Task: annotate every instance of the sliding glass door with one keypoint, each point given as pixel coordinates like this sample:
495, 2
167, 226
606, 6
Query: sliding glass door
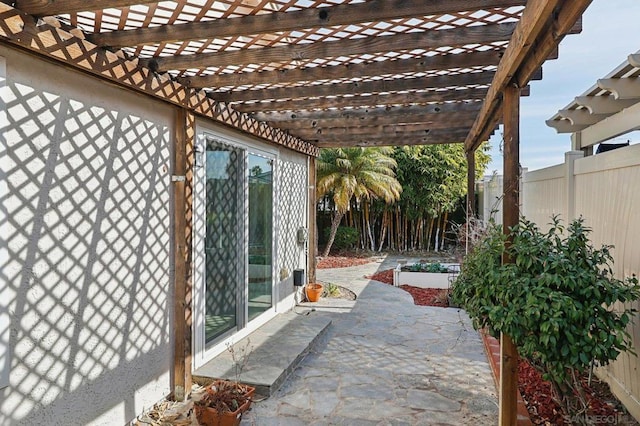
223, 244
260, 235
233, 242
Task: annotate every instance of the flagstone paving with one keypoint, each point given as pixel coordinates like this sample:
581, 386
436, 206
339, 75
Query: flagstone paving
385, 361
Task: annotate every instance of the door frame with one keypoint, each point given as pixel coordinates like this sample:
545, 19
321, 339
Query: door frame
201, 353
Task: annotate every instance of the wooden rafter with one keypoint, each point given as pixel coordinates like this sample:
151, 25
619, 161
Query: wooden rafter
420, 129
347, 14
355, 88
338, 72
543, 24
481, 34
312, 98
435, 137
432, 96
58, 7
447, 119
426, 110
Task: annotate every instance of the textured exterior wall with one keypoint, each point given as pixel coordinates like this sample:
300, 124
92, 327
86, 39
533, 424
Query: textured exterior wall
545, 193
86, 247
292, 212
607, 195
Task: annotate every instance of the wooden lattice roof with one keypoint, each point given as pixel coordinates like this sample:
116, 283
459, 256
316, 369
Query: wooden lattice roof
332, 72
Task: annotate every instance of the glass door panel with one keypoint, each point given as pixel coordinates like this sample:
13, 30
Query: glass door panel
224, 273
260, 235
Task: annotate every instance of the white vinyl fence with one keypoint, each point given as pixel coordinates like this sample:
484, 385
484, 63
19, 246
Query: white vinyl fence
605, 190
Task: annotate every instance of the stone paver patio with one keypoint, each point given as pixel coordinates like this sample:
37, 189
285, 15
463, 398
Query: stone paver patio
385, 361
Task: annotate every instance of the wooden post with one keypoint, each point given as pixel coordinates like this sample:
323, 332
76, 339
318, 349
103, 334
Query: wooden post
183, 139
471, 184
510, 217
312, 243
190, 148
471, 195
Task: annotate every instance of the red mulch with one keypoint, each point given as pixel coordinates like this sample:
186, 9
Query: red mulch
384, 276
427, 296
544, 411
341, 262
421, 296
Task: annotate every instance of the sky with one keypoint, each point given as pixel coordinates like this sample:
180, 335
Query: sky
610, 32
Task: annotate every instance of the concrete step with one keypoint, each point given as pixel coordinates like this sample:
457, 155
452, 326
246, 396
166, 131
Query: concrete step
275, 350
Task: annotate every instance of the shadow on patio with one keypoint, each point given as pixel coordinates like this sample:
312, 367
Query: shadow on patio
387, 361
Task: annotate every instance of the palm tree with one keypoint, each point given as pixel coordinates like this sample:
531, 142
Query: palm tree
363, 173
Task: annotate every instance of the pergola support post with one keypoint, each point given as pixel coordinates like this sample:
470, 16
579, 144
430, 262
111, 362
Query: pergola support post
312, 241
510, 217
182, 182
471, 194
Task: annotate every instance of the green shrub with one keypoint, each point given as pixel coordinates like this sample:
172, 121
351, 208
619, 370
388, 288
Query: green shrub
558, 301
346, 237
436, 268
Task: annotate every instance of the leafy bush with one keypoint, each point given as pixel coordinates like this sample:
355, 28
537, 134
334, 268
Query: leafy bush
346, 237
558, 301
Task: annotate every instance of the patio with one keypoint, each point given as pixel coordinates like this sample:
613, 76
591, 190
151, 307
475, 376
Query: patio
385, 361
133, 96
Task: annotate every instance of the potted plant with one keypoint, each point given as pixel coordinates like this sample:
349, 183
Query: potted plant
313, 291
223, 403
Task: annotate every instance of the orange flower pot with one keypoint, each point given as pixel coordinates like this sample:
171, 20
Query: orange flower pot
313, 292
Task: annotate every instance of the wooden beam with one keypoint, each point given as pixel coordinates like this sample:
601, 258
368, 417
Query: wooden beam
322, 97
371, 11
571, 12
373, 111
180, 255
471, 186
427, 119
481, 34
390, 129
392, 135
348, 71
524, 49
312, 242
355, 88
59, 7
190, 154
20, 29
431, 96
510, 218
431, 139
449, 132
368, 112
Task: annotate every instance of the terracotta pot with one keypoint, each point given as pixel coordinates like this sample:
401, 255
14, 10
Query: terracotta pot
313, 292
208, 416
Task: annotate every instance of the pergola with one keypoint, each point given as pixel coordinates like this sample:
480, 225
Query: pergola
308, 74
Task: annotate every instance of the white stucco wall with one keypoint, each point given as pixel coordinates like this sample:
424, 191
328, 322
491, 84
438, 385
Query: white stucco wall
85, 247
293, 214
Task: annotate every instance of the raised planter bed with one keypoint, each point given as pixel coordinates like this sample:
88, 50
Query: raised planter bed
402, 275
